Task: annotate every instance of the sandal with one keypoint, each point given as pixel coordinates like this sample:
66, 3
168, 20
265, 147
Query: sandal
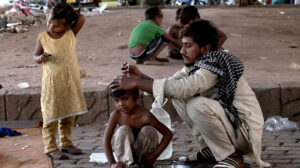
231, 162
57, 155
205, 155
71, 149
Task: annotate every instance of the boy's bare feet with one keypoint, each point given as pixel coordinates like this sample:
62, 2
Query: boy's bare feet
71, 149
161, 59
153, 62
139, 62
57, 155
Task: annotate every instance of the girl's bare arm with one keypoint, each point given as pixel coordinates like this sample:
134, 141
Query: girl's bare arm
79, 24
39, 55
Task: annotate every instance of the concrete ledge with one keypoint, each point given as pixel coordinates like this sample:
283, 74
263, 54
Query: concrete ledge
269, 98
290, 100
2, 105
24, 104
97, 104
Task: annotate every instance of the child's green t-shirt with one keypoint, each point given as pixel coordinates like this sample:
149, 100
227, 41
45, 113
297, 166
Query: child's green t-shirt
144, 33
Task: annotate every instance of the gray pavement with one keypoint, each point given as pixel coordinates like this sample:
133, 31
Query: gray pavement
281, 149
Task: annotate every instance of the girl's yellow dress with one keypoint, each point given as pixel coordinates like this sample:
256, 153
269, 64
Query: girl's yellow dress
62, 94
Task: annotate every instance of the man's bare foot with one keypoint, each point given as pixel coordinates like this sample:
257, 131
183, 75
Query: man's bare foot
57, 155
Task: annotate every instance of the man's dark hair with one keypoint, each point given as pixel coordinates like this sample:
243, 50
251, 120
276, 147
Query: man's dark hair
65, 11
152, 12
188, 13
120, 93
202, 33
178, 11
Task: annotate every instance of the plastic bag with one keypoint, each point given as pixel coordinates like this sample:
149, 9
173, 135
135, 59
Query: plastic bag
100, 157
277, 123
164, 118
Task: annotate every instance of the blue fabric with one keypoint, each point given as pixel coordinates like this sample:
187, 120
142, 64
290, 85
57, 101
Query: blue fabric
8, 132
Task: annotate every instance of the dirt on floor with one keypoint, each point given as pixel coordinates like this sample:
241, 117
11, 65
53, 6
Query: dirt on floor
265, 39
26, 150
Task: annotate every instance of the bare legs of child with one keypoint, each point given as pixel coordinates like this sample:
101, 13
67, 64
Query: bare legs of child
154, 60
148, 56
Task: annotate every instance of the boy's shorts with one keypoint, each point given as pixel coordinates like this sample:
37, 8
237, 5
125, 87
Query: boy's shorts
150, 50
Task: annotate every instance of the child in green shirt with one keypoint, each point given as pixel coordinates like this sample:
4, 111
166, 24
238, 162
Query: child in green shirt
148, 39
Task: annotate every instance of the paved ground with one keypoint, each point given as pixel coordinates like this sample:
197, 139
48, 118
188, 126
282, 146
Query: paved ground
282, 148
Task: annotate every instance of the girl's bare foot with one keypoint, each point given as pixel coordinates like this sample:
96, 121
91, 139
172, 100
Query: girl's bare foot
71, 149
57, 155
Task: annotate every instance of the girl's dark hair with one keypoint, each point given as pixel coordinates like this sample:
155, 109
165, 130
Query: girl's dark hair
152, 12
188, 13
202, 33
65, 11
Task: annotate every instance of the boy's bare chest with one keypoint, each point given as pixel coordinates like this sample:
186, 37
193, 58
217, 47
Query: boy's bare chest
135, 122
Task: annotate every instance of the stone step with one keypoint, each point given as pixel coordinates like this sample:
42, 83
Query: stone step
281, 99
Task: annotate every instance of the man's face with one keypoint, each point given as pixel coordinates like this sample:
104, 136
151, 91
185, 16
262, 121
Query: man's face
190, 51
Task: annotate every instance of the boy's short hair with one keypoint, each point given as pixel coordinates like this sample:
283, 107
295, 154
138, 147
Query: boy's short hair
178, 13
188, 13
152, 12
202, 33
120, 93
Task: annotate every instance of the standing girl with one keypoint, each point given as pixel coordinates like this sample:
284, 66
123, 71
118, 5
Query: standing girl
62, 97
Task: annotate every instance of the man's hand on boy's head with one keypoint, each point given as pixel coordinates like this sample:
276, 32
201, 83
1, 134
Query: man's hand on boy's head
118, 165
122, 83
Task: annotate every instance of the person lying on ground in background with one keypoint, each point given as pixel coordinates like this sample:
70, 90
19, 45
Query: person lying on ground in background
62, 97
211, 96
148, 39
173, 31
190, 14
135, 140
